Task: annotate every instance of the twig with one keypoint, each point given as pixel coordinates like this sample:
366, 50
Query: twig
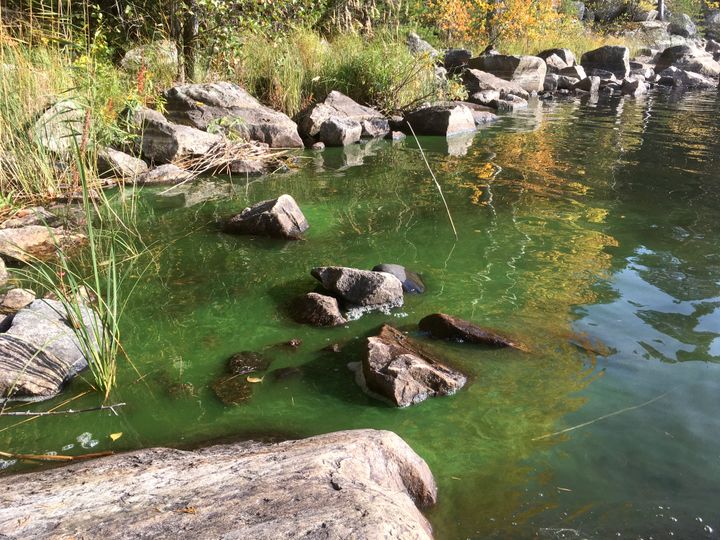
67, 411
50, 457
437, 184
584, 424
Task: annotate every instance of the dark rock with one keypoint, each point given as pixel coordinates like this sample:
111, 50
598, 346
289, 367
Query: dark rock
509, 104
411, 282
246, 362
688, 58
317, 310
339, 106
362, 484
286, 373
588, 84
25, 244
111, 162
398, 369
456, 59
360, 287
279, 218
441, 326
232, 389
673, 76
527, 71
634, 87
336, 131
682, 25
574, 72
164, 174
609, 10
551, 82
611, 58
441, 119
230, 107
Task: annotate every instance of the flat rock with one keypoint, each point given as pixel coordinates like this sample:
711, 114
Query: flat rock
111, 162
227, 104
164, 174
361, 484
339, 106
411, 281
398, 369
31, 242
527, 71
360, 287
441, 326
441, 119
610, 58
278, 218
317, 310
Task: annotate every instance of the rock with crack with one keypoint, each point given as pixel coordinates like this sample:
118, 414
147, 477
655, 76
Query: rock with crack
26, 244
41, 351
340, 107
230, 107
360, 287
317, 310
396, 368
278, 218
362, 484
442, 326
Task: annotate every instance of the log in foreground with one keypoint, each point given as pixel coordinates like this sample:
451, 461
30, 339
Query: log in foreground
350, 484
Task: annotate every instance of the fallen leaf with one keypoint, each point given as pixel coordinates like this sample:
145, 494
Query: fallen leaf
115, 436
255, 379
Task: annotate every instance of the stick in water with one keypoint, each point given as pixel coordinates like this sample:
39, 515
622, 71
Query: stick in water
437, 184
67, 411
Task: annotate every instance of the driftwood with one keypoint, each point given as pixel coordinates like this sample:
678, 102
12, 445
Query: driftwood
67, 411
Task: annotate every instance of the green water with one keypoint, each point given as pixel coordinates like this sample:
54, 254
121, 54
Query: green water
589, 230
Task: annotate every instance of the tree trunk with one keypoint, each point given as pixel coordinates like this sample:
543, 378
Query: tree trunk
190, 33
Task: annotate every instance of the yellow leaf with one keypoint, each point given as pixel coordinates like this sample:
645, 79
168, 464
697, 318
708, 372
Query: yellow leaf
115, 436
254, 379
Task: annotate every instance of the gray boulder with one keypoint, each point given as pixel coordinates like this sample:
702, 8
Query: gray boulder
336, 131
509, 104
59, 128
610, 58
609, 10
338, 105
557, 59
361, 484
111, 162
160, 55
688, 58
682, 25
420, 47
440, 119
360, 287
229, 107
396, 368
527, 71
677, 77
317, 310
411, 281
278, 218
26, 244
40, 351
164, 174
477, 81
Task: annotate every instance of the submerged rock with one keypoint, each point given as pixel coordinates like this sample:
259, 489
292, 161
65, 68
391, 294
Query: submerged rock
279, 218
232, 389
396, 368
610, 58
361, 484
40, 351
228, 106
246, 362
441, 119
411, 281
360, 287
286, 373
441, 326
31, 242
317, 310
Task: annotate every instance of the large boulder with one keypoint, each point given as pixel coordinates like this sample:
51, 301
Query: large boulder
442, 326
688, 58
278, 218
338, 105
337, 131
360, 287
227, 104
557, 59
396, 368
445, 119
477, 81
111, 162
159, 56
527, 71
161, 141
60, 127
612, 58
682, 25
456, 59
353, 484
317, 310
41, 351
31, 242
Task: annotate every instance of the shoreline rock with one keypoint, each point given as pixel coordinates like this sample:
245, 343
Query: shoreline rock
351, 484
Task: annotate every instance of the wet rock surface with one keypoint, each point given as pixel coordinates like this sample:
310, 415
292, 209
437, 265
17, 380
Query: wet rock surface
355, 484
360, 287
246, 362
398, 369
411, 281
278, 218
442, 326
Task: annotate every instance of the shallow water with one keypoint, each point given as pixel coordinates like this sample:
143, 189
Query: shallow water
588, 230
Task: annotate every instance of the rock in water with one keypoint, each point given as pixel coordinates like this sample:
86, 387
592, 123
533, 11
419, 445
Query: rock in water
164, 174
25, 244
689, 59
441, 326
340, 107
340, 131
40, 351
610, 58
246, 362
200, 105
360, 287
318, 310
557, 59
396, 368
441, 119
411, 282
477, 81
362, 484
279, 218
